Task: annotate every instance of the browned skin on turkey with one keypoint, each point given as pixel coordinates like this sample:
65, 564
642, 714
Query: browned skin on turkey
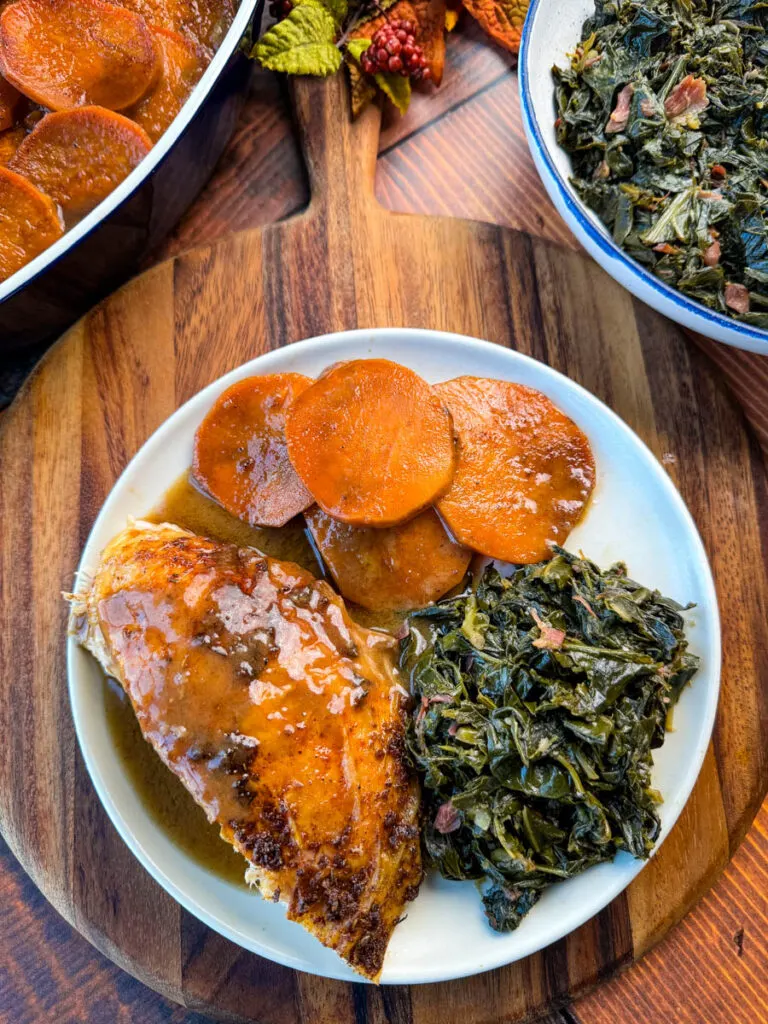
282, 717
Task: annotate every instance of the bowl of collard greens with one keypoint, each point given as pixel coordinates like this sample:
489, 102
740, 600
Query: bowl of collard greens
647, 123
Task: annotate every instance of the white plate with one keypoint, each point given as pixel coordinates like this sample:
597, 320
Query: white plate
552, 29
636, 515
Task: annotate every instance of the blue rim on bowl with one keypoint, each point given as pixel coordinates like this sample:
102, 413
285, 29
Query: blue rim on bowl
594, 237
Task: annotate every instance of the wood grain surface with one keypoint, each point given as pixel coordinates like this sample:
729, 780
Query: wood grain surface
724, 484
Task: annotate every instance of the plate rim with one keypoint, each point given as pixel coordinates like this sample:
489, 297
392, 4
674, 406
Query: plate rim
258, 366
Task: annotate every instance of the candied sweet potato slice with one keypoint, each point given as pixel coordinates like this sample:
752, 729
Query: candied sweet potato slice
183, 62
67, 53
240, 455
396, 568
78, 156
29, 222
372, 442
525, 471
203, 21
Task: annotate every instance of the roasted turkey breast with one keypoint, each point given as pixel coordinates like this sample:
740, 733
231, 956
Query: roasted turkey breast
282, 717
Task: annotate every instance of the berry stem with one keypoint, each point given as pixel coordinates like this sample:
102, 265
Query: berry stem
361, 15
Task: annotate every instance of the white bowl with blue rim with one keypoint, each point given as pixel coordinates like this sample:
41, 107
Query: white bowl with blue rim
552, 30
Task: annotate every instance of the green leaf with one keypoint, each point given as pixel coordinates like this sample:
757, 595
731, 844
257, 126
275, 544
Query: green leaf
357, 47
302, 43
336, 8
396, 88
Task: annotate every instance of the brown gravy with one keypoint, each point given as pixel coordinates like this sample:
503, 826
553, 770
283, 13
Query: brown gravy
160, 791
172, 808
162, 794
185, 505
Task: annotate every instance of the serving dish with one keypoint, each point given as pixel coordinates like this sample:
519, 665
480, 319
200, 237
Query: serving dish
93, 257
636, 514
552, 28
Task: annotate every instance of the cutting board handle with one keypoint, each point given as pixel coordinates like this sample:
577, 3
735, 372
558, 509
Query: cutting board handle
340, 153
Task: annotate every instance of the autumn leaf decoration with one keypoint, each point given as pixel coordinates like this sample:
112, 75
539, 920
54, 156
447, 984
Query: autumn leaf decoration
501, 19
387, 46
304, 43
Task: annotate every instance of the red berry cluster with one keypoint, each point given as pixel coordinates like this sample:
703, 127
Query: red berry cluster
394, 48
280, 8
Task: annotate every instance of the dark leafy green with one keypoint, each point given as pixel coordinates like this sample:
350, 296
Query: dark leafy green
685, 193
538, 701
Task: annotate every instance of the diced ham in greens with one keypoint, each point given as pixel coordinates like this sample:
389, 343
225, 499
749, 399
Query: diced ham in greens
737, 298
686, 99
617, 122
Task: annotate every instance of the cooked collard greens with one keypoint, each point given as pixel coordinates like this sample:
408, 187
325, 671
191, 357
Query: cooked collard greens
664, 111
538, 701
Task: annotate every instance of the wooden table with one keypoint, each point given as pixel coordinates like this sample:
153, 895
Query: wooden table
460, 152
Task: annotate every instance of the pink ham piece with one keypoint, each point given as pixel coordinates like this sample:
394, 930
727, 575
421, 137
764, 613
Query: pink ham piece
666, 249
647, 108
602, 172
737, 298
687, 98
550, 638
711, 255
447, 818
617, 122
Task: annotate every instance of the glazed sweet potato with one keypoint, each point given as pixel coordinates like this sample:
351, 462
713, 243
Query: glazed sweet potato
29, 222
203, 21
392, 569
240, 455
372, 442
66, 53
525, 471
10, 140
183, 62
10, 97
78, 156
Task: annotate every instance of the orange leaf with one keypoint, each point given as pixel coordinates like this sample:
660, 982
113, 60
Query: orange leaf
501, 19
452, 12
429, 18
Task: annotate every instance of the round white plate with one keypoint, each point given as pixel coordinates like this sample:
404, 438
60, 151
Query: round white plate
636, 515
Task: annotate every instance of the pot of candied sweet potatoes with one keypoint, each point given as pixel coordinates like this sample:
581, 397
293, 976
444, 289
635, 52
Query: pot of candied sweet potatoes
113, 114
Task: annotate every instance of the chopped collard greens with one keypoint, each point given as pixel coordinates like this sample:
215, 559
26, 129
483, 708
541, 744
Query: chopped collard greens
664, 111
538, 700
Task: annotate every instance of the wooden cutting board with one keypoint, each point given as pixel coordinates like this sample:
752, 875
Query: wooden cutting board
347, 263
